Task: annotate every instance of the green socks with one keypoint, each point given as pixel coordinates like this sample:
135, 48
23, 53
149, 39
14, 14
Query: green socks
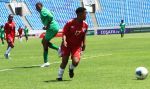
53, 46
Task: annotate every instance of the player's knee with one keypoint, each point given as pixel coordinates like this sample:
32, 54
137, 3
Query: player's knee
75, 64
49, 43
11, 45
75, 61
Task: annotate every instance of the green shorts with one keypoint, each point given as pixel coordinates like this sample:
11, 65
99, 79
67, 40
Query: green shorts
1, 36
50, 33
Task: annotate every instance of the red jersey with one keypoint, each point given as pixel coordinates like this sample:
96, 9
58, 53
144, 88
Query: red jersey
20, 31
75, 32
10, 29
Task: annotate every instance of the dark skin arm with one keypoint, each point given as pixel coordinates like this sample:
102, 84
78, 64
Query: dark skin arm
64, 41
84, 43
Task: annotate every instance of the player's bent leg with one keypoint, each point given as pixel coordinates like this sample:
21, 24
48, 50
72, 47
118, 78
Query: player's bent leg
50, 34
75, 62
53, 46
75, 56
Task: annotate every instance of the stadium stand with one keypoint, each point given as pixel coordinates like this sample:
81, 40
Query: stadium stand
4, 14
134, 12
7, 1
62, 14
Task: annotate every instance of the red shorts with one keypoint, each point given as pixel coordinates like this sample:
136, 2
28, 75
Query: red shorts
74, 51
10, 41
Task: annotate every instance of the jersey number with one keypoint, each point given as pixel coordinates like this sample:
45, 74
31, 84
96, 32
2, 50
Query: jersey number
77, 33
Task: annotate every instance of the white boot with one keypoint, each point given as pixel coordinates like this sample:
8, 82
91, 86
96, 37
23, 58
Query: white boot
47, 64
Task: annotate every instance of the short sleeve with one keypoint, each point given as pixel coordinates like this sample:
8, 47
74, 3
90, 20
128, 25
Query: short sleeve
66, 28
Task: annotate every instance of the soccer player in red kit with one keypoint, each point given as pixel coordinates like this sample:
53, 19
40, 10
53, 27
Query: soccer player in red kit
74, 35
20, 33
10, 34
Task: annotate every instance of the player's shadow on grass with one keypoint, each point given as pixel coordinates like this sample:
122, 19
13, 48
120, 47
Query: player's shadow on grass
48, 81
33, 66
138, 79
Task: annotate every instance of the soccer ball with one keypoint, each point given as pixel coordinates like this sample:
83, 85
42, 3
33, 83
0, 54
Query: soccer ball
141, 73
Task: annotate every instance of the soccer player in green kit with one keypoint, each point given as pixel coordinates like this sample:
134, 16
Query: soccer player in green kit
2, 34
26, 31
122, 28
51, 27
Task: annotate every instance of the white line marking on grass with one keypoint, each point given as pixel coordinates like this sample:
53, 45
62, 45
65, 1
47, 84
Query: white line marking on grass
2, 70
81, 59
84, 58
96, 56
56, 62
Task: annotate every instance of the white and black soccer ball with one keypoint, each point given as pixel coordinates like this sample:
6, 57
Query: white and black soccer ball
141, 73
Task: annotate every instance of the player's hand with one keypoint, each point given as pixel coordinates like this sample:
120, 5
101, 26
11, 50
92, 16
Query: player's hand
45, 28
65, 43
83, 47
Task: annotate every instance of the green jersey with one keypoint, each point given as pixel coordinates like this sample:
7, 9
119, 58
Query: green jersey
47, 17
2, 32
122, 26
26, 30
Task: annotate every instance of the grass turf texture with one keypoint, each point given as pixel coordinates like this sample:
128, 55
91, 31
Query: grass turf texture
109, 62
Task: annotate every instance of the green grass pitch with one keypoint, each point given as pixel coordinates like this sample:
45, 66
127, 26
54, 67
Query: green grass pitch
109, 62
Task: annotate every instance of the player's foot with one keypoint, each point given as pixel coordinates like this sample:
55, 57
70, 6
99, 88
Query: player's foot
59, 79
59, 52
45, 65
71, 73
6, 56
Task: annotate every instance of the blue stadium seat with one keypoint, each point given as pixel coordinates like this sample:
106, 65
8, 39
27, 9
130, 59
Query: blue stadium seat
62, 11
4, 14
134, 12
